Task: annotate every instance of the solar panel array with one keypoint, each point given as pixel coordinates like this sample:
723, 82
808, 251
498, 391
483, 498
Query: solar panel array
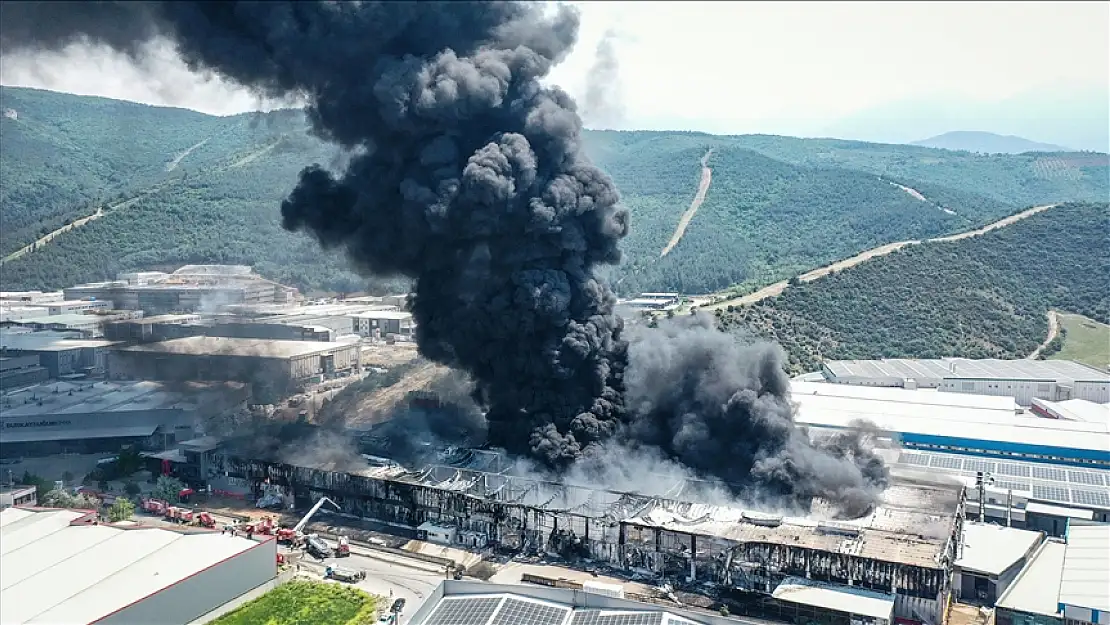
595, 617
517, 612
1082, 487
464, 611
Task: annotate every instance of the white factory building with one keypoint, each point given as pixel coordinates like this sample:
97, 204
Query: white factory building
60, 566
1039, 472
1064, 582
1024, 380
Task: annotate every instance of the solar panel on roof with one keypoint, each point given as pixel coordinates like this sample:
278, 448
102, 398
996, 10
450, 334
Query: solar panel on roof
915, 459
1086, 477
517, 612
971, 464
1051, 493
1095, 498
947, 462
643, 618
464, 611
1012, 484
1051, 474
1009, 468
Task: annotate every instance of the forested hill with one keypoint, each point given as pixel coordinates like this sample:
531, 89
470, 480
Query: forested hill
207, 189
981, 297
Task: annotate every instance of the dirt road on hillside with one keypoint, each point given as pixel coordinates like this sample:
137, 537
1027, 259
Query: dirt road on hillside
778, 287
1053, 330
699, 197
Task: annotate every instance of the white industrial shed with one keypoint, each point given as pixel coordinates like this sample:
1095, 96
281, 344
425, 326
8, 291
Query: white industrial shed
1024, 380
59, 566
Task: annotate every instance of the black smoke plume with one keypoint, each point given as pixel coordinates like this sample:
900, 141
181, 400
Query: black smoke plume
468, 177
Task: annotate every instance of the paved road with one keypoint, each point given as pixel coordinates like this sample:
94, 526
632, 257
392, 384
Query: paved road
384, 578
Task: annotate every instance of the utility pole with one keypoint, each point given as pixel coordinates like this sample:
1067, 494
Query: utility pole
981, 480
1009, 505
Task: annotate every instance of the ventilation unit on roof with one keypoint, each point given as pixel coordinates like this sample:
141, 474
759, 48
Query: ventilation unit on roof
830, 527
765, 520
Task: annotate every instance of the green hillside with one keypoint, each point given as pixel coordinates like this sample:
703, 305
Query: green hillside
776, 206
981, 297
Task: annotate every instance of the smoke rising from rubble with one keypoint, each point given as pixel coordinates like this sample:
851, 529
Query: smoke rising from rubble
468, 176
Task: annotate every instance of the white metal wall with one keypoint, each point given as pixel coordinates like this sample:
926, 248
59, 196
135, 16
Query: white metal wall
200, 594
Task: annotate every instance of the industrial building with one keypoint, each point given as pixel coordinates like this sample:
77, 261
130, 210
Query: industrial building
1038, 473
33, 298
274, 368
1024, 380
989, 559
903, 549
86, 417
339, 318
1072, 410
60, 356
937, 421
16, 495
17, 371
189, 289
381, 324
61, 566
1064, 582
87, 324
457, 602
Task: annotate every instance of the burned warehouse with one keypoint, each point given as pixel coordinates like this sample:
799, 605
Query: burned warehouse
901, 551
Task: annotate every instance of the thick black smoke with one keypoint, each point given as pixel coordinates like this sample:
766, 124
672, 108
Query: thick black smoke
723, 409
468, 177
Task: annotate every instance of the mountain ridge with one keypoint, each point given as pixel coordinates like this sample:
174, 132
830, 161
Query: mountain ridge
777, 206
987, 143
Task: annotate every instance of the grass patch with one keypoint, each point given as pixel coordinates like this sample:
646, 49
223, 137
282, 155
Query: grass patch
306, 603
1087, 341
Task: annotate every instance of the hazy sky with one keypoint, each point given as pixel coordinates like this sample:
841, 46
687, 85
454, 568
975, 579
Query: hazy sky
782, 67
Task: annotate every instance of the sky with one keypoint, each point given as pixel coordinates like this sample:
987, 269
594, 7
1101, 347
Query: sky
795, 68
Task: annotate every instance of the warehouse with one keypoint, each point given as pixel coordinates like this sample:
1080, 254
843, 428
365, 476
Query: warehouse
189, 289
88, 417
60, 566
275, 368
1064, 582
990, 557
1054, 380
381, 324
903, 548
992, 431
60, 356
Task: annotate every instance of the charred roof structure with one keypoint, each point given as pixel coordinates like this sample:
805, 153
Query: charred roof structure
904, 547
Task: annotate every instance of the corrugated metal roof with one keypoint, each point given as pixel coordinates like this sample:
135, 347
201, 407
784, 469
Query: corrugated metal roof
926, 397
1036, 590
938, 369
54, 572
1085, 582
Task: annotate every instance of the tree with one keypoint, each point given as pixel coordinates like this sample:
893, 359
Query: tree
42, 485
129, 460
167, 489
132, 489
63, 499
121, 510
